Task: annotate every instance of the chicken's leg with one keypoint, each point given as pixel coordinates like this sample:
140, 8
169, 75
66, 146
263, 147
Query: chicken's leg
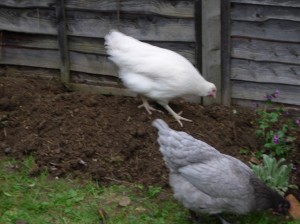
175, 115
223, 221
196, 219
146, 105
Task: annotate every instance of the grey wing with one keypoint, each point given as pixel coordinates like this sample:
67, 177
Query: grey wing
182, 149
219, 178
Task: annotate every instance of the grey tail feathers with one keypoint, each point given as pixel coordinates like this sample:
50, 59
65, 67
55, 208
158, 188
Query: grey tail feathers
160, 125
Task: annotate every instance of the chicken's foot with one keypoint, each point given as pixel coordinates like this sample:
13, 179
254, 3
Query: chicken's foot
175, 115
195, 218
147, 106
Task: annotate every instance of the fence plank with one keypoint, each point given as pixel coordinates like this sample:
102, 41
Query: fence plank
27, 3
178, 9
30, 57
269, 30
294, 111
263, 13
256, 91
259, 50
143, 27
29, 40
96, 46
38, 21
85, 45
211, 48
102, 90
92, 24
95, 79
265, 72
21, 71
91, 63
289, 3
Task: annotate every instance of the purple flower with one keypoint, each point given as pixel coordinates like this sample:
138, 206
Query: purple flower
297, 122
276, 139
276, 94
269, 97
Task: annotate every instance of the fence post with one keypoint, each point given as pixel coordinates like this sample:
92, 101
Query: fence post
198, 33
211, 45
225, 53
63, 41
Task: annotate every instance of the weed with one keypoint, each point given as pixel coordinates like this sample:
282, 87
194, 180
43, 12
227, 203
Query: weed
244, 151
153, 191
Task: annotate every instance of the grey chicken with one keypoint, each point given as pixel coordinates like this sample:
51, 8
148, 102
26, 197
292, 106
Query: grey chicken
207, 181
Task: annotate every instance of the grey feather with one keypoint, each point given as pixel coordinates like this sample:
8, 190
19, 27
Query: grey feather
205, 180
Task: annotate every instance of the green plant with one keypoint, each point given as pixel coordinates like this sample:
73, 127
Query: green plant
278, 141
153, 191
274, 129
266, 119
244, 151
274, 173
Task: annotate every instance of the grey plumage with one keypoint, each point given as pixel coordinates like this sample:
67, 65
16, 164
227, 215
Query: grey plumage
207, 181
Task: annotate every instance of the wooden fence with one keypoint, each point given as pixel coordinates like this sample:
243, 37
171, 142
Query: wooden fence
68, 35
246, 47
265, 50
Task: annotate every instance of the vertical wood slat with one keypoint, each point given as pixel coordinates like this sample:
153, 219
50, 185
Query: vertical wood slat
211, 45
1, 39
63, 41
225, 52
198, 34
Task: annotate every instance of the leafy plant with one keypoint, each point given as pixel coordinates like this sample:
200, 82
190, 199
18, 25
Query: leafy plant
266, 119
273, 129
274, 173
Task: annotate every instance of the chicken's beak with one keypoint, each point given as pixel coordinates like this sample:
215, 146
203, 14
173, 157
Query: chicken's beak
213, 95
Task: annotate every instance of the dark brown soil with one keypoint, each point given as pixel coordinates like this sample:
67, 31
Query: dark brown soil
107, 138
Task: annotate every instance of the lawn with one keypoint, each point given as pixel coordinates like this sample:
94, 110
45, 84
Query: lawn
43, 199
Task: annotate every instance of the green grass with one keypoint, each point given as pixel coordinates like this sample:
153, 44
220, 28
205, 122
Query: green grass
42, 200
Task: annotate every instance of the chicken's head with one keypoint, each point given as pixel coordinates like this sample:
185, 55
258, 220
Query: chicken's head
212, 90
283, 206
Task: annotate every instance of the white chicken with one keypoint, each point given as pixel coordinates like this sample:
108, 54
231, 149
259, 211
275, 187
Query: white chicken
155, 72
207, 181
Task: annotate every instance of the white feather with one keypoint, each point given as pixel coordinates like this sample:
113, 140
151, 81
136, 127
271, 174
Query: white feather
154, 72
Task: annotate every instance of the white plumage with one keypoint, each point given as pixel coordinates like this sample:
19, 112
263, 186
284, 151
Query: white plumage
155, 72
207, 181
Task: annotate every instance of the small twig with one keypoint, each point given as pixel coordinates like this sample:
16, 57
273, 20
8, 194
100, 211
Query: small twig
118, 181
5, 133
